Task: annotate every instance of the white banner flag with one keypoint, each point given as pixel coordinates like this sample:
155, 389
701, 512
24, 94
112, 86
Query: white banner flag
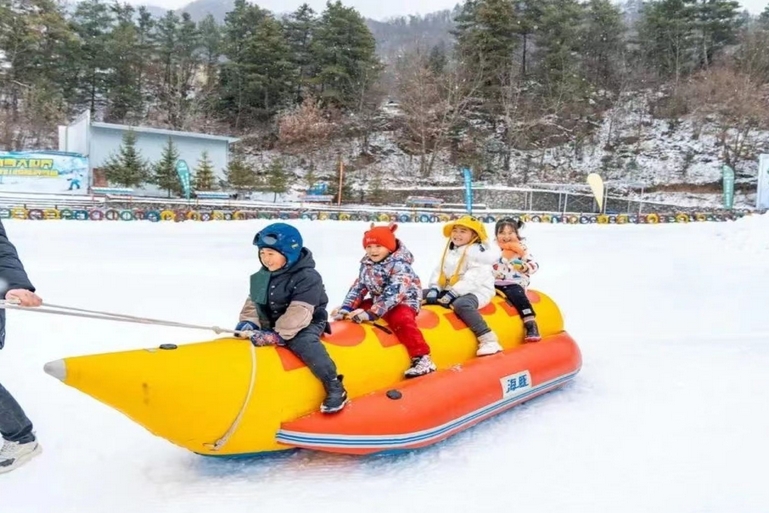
762, 194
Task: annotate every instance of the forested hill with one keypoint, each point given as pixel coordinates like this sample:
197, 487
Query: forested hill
519, 90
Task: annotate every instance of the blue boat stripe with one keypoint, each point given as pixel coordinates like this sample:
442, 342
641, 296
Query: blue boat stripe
363, 441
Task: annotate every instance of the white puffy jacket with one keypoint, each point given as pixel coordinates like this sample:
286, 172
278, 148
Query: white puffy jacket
476, 275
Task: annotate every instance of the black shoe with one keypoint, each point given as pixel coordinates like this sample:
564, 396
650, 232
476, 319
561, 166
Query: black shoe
532, 332
336, 396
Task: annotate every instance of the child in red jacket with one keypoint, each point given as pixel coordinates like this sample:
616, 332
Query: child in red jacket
396, 294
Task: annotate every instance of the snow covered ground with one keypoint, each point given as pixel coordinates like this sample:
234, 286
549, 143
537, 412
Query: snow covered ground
668, 414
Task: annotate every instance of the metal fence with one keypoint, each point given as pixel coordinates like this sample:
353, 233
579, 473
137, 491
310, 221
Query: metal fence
565, 204
541, 200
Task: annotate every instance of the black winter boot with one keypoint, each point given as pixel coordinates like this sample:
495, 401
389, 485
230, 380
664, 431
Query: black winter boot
336, 396
532, 332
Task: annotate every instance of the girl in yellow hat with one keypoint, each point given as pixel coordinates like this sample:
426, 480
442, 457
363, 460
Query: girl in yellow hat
464, 280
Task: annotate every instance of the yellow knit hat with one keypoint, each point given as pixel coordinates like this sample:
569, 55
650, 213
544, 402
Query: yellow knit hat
468, 222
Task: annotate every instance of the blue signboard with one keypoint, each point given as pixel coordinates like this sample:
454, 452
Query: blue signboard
728, 175
468, 189
318, 189
54, 172
183, 170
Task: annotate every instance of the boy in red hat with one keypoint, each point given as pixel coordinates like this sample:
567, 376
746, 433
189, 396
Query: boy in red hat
396, 294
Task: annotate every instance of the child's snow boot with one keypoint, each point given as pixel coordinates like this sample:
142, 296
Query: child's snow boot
488, 344
15, 454
420, 365
336, 396
532, 331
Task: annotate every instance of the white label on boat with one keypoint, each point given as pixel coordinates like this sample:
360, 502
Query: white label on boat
515, 384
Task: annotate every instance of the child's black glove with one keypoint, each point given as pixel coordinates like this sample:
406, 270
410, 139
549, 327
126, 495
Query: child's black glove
447, 298
431, 298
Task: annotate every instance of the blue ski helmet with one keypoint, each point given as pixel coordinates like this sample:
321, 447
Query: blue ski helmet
283, 238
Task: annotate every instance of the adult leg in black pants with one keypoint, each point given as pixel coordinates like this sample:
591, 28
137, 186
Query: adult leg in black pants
516, 295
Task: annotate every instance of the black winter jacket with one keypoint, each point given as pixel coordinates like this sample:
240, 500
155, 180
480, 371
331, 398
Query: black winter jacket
300, 282
12, 275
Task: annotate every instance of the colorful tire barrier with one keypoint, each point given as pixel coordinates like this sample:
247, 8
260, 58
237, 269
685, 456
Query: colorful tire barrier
126, 213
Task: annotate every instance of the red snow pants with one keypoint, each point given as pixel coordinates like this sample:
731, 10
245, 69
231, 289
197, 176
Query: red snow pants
403, 322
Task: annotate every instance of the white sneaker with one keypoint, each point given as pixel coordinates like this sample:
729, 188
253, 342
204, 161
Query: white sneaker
488, 344
13, 454
420, 366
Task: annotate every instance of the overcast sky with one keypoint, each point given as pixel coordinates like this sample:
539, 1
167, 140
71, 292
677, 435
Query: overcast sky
377, 9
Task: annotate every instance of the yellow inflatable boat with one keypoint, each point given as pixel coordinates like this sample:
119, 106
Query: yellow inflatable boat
226, 397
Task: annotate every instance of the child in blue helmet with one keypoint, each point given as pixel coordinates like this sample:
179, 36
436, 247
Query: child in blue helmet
287, 306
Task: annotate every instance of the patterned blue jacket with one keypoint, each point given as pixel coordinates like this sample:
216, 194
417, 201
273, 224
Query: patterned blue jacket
389, 282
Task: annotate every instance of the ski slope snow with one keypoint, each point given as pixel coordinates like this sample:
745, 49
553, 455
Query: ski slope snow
667, 415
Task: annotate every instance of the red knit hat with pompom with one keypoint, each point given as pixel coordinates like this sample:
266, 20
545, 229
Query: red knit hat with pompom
381, 235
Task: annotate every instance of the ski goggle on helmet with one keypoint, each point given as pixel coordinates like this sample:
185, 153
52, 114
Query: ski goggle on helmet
266, 239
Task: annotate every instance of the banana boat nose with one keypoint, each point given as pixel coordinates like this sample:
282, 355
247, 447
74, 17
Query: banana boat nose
57, 369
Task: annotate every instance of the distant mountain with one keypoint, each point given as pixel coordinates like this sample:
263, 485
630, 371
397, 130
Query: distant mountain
199, 9
155, 11
397, 35
393, 35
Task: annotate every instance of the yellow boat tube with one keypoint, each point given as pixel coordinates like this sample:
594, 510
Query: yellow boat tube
225, 397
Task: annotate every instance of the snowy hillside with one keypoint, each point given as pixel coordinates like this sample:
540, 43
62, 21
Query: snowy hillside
664, 160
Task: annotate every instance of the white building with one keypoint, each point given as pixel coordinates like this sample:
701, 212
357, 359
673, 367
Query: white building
98, 141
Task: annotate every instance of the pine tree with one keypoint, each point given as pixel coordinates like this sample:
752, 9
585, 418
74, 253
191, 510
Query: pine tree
344, 54
235, 95
717, 22
486, 41
437, 60
205, 178
92, 21
124, 98
300, 27
278, 180
211, 46
127, 168
33, 36
763, 18
602, 42
164, 171
272, 75
558, 43
667, 34
240, 176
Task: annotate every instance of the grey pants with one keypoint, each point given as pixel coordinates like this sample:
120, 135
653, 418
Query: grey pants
307, 347
14, 424
466, 308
